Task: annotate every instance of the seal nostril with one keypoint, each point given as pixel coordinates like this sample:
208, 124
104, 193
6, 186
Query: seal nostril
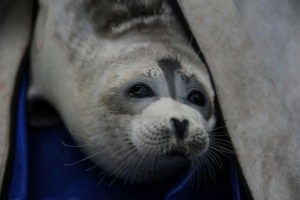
180, 128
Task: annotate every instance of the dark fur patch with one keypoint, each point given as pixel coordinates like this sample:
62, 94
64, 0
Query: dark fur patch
107, 14
169, 66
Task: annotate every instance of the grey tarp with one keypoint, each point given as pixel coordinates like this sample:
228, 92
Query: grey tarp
253, 51
15, 25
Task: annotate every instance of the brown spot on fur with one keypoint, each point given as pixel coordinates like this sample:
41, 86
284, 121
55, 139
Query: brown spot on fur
107, 101
105, 15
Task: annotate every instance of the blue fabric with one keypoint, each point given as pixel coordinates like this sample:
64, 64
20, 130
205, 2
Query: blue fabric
235, 186
19, 183
39, 171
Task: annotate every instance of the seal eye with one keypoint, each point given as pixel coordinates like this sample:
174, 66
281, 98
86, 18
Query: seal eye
140, 91
197, 98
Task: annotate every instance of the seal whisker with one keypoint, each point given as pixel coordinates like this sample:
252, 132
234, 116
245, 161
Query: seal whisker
221, 149
222, 144
104, 173
215, 158
75, 146
84, 159
207, 166
217, 128
91, 168
202, 172
211, 169
220, 134
140, 159
126, 165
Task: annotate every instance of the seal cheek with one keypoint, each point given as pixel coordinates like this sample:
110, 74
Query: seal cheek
151, 136
114, 102
198, 143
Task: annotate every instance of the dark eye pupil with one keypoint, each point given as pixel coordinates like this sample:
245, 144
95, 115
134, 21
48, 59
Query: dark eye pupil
197, 98
139, 91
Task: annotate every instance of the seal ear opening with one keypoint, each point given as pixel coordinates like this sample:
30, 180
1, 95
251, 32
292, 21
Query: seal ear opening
41, 113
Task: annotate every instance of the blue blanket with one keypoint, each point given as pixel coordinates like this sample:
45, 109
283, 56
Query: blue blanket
39, 171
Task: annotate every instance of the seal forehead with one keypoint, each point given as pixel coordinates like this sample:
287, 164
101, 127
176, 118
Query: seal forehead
169, 66
187, 70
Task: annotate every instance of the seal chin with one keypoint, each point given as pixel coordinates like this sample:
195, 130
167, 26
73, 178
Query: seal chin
176, 155
168, 167
174, 158
173, 162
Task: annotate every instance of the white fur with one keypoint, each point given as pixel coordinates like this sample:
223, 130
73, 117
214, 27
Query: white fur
157, 116
75, 69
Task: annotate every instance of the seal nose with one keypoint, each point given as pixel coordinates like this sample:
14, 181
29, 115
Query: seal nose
180, 127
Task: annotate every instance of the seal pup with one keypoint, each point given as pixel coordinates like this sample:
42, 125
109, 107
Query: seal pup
128, 86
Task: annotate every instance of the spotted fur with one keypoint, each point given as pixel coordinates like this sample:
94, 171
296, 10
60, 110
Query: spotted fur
86, 56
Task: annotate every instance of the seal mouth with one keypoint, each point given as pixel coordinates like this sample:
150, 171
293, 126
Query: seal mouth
178, 154
174, 159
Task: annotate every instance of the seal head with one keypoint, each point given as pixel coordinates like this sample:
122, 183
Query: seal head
132, 92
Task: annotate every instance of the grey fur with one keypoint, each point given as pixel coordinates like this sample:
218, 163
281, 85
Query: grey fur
84, 62
169, 67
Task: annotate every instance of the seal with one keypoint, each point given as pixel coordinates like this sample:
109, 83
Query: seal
127, 84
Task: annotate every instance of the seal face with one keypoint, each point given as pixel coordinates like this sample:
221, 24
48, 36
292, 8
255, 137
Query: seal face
132, 92
165, 117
